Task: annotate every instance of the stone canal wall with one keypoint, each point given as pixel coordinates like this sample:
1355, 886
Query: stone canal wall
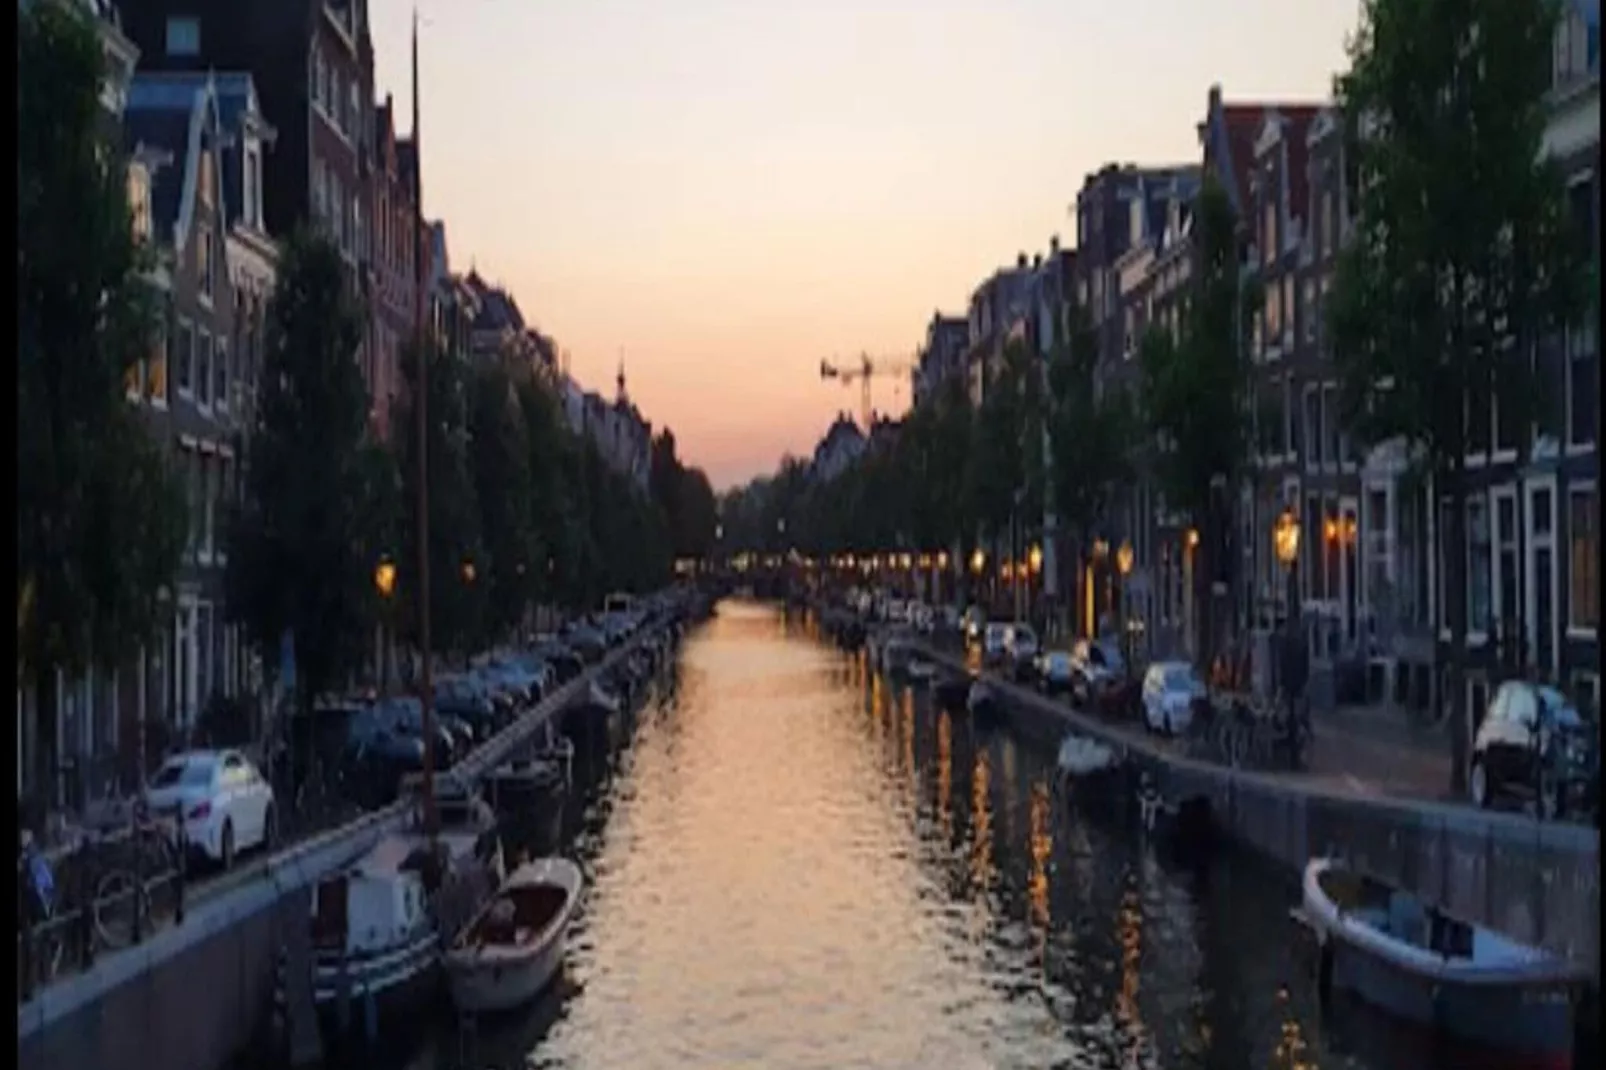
1535, 881
194, 996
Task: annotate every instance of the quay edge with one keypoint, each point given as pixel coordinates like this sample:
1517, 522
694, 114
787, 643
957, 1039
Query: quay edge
1537, 882
195, 996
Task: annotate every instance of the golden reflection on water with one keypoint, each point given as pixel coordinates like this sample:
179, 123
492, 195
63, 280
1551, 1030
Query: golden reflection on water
1129, 930
1293, 1051
945, 775
1041, 845
908, 729
981, 822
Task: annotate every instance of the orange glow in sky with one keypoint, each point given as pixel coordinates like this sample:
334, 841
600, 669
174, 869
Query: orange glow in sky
727, 191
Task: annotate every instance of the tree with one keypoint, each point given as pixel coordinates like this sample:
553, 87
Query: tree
1459, 264
499, 459
1005, 470
100, 516
1196, 394
1091, 433
683, 496
312, 523
557, 528
457, 557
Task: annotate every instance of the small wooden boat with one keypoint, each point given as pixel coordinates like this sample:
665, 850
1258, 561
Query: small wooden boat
1415, 963
512, 949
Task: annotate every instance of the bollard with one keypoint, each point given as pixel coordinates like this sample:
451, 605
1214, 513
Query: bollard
182, 848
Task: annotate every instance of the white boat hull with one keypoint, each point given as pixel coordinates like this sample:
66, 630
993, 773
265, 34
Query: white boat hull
487, 978
484, 987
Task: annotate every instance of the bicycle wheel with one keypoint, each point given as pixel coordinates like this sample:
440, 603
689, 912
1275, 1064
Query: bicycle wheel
121, 908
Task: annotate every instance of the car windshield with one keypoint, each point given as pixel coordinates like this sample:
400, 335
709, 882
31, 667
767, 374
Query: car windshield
1180, 678
192, 773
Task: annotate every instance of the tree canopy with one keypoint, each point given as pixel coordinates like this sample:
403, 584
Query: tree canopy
1460, 270
101, 517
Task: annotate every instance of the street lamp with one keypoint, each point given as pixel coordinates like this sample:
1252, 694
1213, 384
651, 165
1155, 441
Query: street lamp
1034, 559
1285, 543
468, 571
385, 584
978, 561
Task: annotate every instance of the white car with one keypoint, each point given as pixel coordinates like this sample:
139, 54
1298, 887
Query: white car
1054, 671
226, 805
1171, 689
1020, 646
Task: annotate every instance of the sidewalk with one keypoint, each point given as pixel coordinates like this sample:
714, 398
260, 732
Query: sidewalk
1375, 751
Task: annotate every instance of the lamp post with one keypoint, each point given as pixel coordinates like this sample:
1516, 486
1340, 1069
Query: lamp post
1034, 569
1285, 543
1123, 568
385, 584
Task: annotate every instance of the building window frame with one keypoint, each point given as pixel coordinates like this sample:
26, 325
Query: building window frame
1586, 554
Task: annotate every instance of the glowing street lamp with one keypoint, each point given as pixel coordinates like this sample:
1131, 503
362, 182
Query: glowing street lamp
978, 561
468, 571
1034, 559
385, 577
1285, 544
1123, 559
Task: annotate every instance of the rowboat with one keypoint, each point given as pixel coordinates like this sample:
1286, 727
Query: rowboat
512, 949
1471, 983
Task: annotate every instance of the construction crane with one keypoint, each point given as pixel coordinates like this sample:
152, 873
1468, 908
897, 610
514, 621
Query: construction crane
862, 370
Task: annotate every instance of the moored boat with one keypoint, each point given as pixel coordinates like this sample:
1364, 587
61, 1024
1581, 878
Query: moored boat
509, 953
1472, 984
378, 926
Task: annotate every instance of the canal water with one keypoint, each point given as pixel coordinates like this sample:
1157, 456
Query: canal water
792, 866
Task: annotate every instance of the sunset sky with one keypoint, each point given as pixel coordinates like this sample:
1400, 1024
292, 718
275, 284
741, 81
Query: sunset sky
727, 191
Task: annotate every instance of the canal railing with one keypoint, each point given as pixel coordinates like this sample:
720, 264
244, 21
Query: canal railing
1535, 881
215, 906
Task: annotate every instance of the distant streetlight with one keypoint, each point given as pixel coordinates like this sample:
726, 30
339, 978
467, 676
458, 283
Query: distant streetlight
468, 571
1123, 559
978, 561
1285, 544
1034, 559
385, 577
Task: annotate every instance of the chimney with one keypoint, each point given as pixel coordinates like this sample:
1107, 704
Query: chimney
1037, 261
1054, 245
1020, 261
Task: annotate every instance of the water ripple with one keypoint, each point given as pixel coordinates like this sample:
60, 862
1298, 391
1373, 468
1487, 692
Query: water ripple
791, 870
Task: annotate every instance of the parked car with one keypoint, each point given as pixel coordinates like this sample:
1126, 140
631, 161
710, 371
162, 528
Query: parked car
566, 664
1052, 670
405, 717
225, 804
974, 623
994, 646
1172, 694
466, 697
1534, 745
1020, 648
587, 642
1097, 671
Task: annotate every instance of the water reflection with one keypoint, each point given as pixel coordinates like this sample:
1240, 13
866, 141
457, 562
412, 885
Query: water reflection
798, 865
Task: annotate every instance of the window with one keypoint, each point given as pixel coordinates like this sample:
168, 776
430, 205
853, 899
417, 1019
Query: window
1291, 443
354, 110
1582, 385
248, 201
1287, 310
1273, 310
183, 35
207, 266
203, 367
1332, 440
184, 373
1583, 580
139, 202
1324, 233
220, 374
209, 489
1507, 608
1311, 311
1313, 427
1479, 565
1268, 232
192, 466
1478, 420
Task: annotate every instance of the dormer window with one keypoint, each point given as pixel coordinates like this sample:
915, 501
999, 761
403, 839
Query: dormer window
251, 176
183, 35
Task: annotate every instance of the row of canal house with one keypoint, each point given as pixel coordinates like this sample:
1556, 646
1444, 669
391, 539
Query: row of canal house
240, 122
1369, 576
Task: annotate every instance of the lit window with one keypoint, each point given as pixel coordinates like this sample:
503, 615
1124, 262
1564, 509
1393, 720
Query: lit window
1583, 534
